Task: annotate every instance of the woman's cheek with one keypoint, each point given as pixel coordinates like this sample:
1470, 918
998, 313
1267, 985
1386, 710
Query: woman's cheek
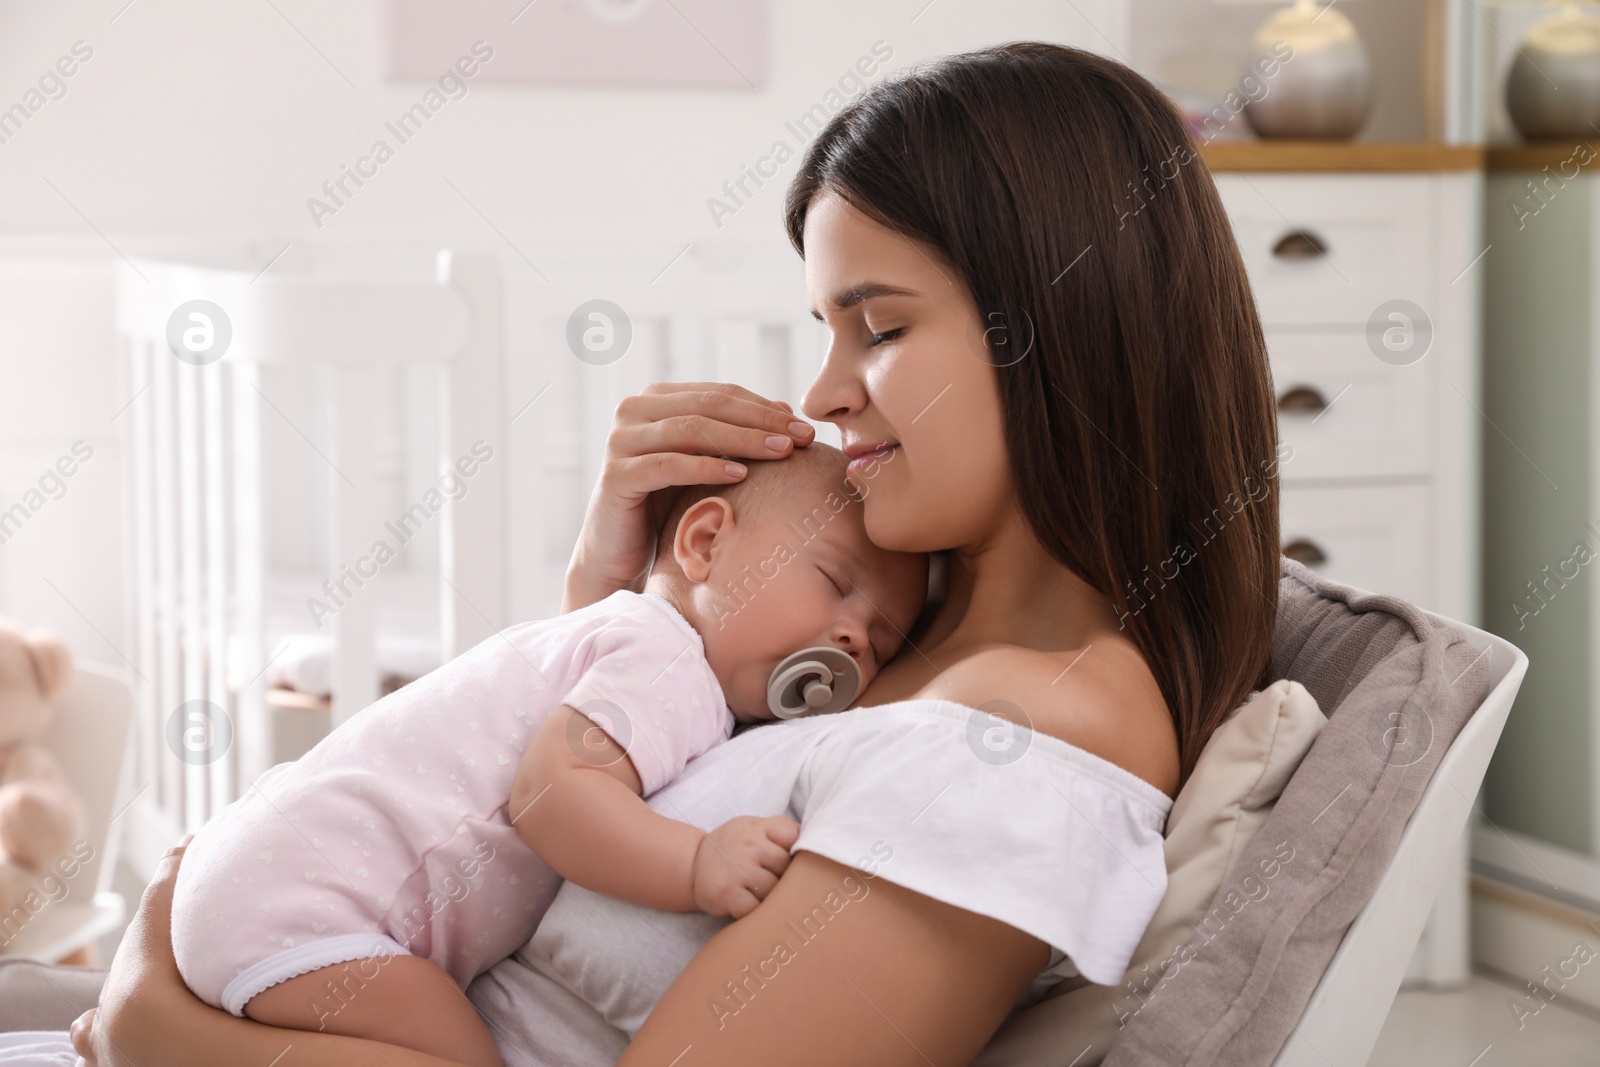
961, 476
909, 505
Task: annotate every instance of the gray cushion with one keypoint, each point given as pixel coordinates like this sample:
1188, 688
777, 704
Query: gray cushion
37, 996
1397, 688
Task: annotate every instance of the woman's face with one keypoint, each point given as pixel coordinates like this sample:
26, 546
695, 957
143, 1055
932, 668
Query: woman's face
906, 366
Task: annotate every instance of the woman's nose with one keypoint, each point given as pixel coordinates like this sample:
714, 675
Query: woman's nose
834, 393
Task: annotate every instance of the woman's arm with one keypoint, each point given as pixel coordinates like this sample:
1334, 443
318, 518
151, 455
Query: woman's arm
148, 1016
835, 967
671, 434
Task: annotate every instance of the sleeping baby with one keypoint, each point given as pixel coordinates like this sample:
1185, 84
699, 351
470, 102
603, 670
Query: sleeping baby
359, 889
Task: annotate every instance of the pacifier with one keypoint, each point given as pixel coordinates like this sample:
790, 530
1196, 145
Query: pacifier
813, 681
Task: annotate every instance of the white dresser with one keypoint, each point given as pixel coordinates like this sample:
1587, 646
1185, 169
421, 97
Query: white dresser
1356, 250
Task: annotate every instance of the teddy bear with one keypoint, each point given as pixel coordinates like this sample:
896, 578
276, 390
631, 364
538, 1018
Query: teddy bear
40, 814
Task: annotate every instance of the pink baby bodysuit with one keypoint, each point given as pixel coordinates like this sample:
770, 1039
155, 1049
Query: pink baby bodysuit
392, 835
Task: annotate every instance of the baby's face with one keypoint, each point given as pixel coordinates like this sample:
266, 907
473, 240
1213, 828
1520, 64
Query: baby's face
795, 581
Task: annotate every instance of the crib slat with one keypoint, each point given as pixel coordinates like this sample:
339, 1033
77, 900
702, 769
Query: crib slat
141, 466
169, 687
540, 457
472, 593
355, 526
191, 548
692, 356
253, 728
741, 357
220, 782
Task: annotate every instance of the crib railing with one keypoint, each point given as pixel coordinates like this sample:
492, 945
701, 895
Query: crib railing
196, 551
509, 375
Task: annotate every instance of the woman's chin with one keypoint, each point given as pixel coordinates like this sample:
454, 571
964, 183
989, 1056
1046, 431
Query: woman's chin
899, 529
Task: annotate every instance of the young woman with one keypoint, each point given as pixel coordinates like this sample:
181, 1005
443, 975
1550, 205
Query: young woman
1046, 352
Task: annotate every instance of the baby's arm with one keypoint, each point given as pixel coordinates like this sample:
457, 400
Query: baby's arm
578, 803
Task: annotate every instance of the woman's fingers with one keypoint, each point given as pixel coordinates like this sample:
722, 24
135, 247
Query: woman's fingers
688, 434
154, 917
705, 435
80, 1030
142, 966
737, 392
705, 421
640, 475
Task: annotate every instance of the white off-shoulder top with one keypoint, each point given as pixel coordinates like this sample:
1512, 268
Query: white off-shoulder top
929, 794
997, 819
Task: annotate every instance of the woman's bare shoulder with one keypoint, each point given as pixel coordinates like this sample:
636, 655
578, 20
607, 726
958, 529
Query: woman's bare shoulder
1101, 698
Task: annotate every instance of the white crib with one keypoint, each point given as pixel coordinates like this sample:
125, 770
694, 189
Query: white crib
492, 337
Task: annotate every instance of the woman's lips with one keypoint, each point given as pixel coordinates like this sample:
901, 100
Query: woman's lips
866, 459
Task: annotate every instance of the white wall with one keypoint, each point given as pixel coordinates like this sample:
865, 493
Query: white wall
196, 122
204, 117
58, 385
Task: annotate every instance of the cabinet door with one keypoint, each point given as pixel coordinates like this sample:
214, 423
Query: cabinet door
1330, 249
1372, 537
1347, 413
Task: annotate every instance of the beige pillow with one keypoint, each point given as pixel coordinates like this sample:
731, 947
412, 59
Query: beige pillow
1242, 769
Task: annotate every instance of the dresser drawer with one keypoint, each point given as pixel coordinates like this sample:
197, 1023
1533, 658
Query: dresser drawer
1346, 412
1374, 537
1330, 249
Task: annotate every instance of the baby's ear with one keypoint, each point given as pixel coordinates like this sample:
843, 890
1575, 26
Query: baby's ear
703, 524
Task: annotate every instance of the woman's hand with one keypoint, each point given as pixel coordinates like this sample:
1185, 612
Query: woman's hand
671, 434
144, 997
148, 1016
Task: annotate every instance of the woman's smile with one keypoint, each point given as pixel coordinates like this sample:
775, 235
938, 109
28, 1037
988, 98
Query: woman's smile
864, 456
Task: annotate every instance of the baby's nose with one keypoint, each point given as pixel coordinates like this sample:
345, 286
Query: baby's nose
851, 638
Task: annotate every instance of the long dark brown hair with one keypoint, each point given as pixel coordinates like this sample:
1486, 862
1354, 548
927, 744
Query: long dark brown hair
1140, 424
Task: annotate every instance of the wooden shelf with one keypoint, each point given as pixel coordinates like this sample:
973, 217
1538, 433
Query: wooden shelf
1287, 155
1536, 155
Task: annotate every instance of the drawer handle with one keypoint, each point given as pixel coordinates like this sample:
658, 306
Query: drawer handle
1302, 551
1302, 400
1300, 244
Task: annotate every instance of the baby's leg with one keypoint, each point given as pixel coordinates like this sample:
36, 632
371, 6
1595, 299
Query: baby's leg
400, 1000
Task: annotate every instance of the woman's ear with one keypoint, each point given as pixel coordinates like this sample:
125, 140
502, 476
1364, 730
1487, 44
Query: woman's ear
706, 529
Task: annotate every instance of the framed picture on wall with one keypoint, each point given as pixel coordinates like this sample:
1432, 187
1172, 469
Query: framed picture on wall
685, 43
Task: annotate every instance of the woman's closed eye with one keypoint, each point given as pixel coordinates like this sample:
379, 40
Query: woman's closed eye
887, 335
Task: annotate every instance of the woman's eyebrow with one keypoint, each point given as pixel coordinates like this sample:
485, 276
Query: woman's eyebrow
854, 295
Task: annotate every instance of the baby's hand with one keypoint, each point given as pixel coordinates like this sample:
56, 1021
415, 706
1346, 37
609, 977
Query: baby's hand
739, 862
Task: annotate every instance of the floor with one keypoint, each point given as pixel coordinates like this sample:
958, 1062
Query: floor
1476, 1027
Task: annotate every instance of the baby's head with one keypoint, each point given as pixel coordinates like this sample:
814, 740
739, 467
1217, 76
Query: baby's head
780, 561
